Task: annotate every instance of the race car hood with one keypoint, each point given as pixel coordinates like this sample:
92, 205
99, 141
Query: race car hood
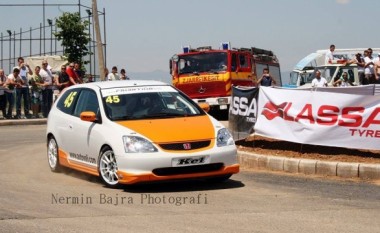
173, 129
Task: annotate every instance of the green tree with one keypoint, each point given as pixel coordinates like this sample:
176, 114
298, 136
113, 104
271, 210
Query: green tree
73, 32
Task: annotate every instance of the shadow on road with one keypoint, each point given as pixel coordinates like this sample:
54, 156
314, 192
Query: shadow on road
162, 186
182, 186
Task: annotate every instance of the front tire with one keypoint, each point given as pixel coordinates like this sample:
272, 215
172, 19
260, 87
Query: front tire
52, 154
108, 168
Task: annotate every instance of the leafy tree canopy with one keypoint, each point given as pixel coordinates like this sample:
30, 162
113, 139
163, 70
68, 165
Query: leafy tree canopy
73, 32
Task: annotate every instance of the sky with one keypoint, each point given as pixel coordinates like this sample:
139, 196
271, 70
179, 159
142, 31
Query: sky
142, 35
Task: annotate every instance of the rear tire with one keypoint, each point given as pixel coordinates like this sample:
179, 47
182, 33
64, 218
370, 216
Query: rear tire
107, 168
52, 154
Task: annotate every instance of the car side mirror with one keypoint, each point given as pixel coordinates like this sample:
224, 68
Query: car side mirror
88, 116
204, 106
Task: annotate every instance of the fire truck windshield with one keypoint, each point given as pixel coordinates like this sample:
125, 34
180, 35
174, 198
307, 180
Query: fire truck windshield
202, 62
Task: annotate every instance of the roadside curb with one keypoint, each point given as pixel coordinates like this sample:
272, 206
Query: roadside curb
23, 122
309, 166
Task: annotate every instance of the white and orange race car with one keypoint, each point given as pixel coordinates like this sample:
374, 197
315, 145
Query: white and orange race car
134, 131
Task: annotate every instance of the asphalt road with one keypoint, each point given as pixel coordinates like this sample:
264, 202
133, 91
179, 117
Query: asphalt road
33, 199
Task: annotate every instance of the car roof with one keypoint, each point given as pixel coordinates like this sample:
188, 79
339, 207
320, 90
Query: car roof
121, 83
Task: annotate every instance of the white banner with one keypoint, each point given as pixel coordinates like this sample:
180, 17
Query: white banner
319, 118
371, 89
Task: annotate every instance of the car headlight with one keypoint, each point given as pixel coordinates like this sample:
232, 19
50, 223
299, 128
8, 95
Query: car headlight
134, 144
224, 138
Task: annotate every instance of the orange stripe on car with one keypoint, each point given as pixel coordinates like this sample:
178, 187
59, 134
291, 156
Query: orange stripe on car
64, 161
128, 178
173, 129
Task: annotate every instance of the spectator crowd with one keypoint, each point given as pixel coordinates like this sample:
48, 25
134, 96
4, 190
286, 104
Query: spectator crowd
368, 66
31, 92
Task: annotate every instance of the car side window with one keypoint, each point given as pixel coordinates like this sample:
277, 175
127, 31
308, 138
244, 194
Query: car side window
67, 101
87, 101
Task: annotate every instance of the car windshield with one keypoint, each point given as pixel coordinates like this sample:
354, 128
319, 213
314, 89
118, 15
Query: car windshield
134, 103
202, 62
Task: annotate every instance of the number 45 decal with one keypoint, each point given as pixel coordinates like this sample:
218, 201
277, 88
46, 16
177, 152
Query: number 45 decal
69, 99
113, 99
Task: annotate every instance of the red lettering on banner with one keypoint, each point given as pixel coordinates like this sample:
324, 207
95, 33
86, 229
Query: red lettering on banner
346, 115
361, 132
326, 115
309, 114
352, 131
286, 116
329, 112
368, 133
372, 118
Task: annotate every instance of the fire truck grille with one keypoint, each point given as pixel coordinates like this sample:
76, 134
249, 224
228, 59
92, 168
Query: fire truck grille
170, 171
185, 145
204, 90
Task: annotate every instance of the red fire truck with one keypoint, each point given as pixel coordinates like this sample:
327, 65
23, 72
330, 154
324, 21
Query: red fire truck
207, 75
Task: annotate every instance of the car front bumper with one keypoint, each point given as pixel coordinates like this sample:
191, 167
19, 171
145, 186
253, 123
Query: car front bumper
136, 168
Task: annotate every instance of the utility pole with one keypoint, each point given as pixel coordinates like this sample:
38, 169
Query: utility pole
99, 44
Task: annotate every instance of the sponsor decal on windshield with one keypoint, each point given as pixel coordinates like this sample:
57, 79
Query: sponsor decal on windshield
132, 90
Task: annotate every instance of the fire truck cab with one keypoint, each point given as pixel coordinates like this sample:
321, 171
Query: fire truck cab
207, 75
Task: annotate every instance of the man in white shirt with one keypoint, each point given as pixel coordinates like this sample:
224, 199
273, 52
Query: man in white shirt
47, 91
318, 81
329, 58
113, 75
14, 80
369, 71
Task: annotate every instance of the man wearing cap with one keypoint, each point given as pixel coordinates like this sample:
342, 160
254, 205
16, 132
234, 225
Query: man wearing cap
359, 61
377, 69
